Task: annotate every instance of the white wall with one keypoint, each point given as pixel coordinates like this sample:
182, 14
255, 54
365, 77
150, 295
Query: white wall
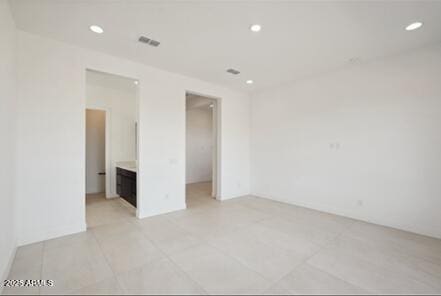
364, 142
7, 145
120, 101
95, 150
199, 145
51, 135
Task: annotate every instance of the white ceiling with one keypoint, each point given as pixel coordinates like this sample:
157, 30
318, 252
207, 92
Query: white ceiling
204, 38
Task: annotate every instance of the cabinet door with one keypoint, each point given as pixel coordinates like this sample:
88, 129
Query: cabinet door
133, 193
126, 188
119, 184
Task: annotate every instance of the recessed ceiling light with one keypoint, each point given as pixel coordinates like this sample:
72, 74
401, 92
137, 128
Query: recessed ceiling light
249, 82
136, 82
96, 29
414, 26
256, 28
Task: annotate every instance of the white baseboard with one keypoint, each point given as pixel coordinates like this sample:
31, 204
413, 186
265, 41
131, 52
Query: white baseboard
223, 198
111, 196
348, 213
142, 215
51, 233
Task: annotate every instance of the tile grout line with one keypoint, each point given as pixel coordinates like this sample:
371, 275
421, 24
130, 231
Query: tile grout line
204, 241
174, 263
107, 261
303, 261
321, 247
326, 246
102, 251
347, 230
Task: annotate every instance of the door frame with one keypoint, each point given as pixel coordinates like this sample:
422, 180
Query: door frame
216, 191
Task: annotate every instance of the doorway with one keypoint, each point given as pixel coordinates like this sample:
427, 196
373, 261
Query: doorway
95, 152
111, 148
202, 149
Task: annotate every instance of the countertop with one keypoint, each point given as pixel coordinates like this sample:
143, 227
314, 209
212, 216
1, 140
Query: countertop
128, 165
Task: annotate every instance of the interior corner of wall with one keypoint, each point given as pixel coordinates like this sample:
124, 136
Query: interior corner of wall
52, 233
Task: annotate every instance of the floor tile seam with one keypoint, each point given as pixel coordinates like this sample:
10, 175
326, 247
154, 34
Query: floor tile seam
326, 272
368, 290
286, 249
191, 233
121, 285
404, 254
184, 230
311, 241
155, 243
107, 262
115, 275
244, 265
174, 264
328, 245
303, 261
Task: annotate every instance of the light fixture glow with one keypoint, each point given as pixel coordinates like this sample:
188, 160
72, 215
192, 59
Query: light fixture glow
256, 28
414, 26
96, 29
249, 82
136, 82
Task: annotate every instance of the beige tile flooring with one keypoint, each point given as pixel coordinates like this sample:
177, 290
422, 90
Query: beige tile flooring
246, 245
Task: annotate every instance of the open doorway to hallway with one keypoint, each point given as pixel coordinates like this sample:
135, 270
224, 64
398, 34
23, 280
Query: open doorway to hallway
111, 148
201, 149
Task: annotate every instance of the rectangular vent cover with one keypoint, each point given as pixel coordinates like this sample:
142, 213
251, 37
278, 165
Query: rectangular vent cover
148, 41
233, 71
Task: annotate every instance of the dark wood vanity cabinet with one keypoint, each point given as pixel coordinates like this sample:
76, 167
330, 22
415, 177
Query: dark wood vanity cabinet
126, 185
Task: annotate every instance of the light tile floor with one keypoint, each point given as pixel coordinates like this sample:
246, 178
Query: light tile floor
246, 245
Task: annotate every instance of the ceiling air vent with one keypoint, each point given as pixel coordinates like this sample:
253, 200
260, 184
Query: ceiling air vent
148, 41
233, 71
